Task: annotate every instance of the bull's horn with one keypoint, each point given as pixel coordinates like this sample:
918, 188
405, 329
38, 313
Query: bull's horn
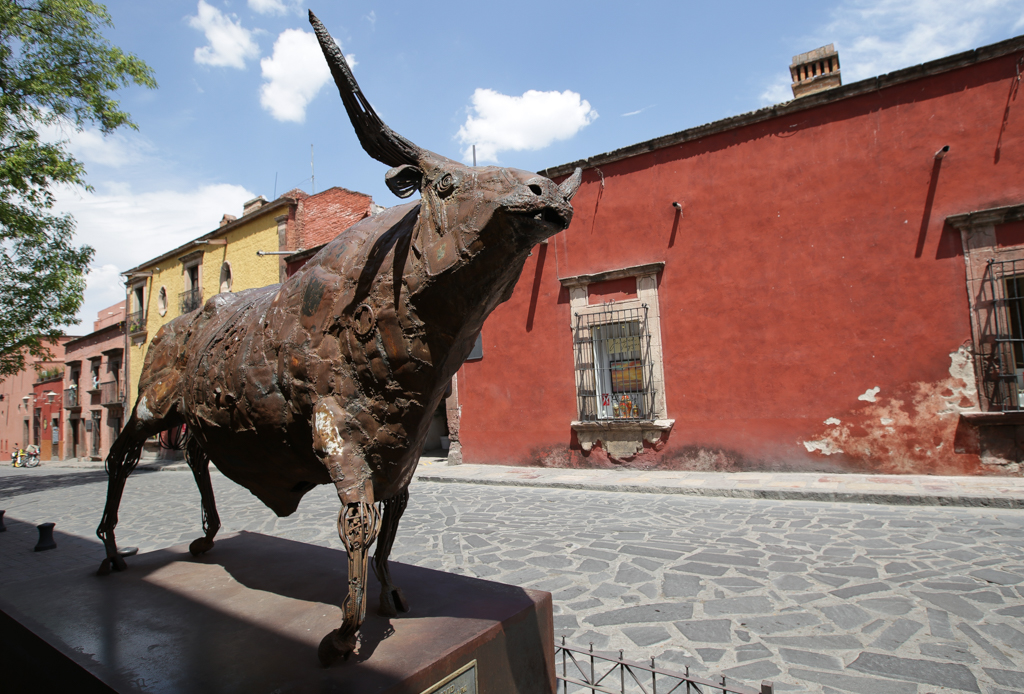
379, 141
571, 185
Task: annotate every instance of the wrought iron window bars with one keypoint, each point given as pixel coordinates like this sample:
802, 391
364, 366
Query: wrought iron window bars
613, 365
1004, 330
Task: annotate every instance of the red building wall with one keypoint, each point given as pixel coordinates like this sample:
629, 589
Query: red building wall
49, 404
323, 216
811, 264
18, 400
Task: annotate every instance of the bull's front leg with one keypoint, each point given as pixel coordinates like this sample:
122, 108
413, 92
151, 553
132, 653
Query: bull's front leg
358, 521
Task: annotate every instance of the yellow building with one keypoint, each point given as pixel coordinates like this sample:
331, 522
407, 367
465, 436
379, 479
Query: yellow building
242, 253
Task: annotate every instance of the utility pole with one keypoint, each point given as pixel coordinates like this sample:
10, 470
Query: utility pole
474, 155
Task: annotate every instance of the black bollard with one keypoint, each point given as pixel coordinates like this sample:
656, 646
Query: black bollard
2, 526
45, 537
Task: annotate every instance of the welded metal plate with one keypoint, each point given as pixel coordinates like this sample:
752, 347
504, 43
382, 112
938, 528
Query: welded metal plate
462, 681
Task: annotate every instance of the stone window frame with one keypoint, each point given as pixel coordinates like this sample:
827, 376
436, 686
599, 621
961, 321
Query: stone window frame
624, 438
192, 260
161, 301
978, 235
138, 295
225, 267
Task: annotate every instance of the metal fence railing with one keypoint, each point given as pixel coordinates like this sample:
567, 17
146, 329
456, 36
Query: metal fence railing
190, 300
579, 670
136, 322
70, 398
110, 393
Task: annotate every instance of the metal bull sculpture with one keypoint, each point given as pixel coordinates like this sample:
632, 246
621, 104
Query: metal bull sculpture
332, 377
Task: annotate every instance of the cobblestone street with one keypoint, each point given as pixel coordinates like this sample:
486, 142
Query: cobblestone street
818, 597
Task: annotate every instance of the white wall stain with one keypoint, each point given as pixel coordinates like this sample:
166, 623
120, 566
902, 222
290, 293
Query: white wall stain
824, 446
904, 434
869, 394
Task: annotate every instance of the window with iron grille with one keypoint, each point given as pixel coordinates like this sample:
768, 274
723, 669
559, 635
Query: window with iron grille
1003, 379
613, 364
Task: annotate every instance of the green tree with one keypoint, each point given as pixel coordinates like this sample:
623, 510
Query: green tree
56, 68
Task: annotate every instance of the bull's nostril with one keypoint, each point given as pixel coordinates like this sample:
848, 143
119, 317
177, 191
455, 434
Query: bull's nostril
536, 189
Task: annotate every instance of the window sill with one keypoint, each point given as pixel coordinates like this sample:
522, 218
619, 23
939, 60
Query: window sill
621, 438
993, 418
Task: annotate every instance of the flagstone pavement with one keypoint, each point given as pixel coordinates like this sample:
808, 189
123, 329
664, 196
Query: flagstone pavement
815, 596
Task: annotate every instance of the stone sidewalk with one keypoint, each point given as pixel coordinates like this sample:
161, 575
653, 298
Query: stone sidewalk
912, 490
900, 490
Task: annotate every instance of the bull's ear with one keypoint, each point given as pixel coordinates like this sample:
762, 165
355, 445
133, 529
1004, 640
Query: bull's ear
404, 180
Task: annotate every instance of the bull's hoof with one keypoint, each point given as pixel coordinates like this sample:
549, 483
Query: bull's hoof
392, 602
114, 563
334, 645
200, 546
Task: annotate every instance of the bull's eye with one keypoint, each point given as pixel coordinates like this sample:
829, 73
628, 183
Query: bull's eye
445, 185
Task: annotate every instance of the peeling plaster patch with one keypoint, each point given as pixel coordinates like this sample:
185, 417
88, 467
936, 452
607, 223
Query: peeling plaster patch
824, 446
907, 431
869, 394
832, 420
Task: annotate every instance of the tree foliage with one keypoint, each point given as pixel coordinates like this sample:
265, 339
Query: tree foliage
56, 69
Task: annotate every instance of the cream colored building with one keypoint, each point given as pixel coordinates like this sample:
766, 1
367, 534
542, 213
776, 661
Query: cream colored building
242, 253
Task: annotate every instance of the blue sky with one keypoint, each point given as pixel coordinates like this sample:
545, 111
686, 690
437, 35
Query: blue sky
244, 93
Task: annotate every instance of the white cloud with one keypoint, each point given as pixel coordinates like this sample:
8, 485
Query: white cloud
874, 37
272, 6
528, 122
104, 287
637, 112
128, 228
778, 91
294, 75
879, 36
230, 44
372, 19
116, 150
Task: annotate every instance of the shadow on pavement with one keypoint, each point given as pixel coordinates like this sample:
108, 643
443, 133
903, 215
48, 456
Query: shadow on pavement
28, 481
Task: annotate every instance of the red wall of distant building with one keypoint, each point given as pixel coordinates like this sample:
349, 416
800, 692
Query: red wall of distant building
811, 264
326, 214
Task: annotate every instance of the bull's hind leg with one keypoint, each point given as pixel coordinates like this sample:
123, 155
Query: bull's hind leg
199, 462
391, 599
358, 522
121, 460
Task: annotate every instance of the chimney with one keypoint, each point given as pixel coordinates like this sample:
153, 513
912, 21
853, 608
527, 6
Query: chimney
227, 219
815, 71
253, 205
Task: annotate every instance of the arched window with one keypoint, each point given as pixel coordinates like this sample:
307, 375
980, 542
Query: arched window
161, 301
225, 277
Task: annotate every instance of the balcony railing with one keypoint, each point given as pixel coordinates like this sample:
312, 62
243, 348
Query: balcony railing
110, 393
71, 398
136, 322
190, 300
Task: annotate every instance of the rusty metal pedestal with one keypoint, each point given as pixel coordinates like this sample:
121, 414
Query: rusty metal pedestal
247, 617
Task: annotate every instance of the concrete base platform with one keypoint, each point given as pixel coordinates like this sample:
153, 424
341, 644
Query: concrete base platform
248, 616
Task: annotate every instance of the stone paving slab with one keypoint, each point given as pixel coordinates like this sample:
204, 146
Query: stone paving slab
910, 490
818, 597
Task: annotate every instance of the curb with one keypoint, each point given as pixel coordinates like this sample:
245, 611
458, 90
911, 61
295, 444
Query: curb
767, 494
